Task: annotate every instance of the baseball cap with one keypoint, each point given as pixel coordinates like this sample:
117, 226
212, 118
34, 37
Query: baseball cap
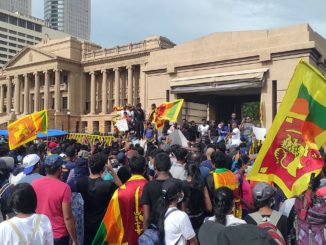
29, 162
53, 161
171, 187
263, 191
53, 145
83, 154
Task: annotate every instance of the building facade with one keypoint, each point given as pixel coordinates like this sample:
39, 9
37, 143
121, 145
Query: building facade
20, 6
69, 16
18, 31
80, 82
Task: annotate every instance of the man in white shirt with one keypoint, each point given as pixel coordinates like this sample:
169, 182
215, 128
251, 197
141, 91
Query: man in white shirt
178, 169
235, 136
203, 130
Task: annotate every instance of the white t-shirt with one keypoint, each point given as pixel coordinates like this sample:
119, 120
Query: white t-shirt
236, 137
43, 235
230, 220
178, 171
203, 130
178, 228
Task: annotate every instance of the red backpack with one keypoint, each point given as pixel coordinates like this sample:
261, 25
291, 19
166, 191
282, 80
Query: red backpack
270, 225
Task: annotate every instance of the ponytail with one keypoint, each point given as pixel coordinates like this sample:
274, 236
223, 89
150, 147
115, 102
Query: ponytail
158, 215
223, 204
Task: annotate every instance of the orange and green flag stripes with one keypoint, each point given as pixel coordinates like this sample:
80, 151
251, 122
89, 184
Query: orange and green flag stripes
290, 152
167, 111
123, 220
25, 129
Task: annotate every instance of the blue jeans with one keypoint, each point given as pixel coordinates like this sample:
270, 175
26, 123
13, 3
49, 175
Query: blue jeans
248, 140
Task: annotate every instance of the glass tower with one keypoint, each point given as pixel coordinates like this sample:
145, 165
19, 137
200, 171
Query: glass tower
70, 16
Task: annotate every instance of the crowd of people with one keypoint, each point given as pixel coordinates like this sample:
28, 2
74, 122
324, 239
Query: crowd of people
152, 192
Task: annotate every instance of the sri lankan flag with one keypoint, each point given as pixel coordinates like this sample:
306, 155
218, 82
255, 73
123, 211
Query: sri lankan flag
25, 129
123, 220
167, 111
290, 152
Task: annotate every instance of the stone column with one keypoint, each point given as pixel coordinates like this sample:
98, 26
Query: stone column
130, 85
37, 92
142, 86
17, 95
46, 89
111, 80
57, 80
9, 95
1, 98
26, 94
116, 86
93, 93
104, 91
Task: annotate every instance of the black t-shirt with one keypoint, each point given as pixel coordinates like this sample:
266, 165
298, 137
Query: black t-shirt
213, 130
194, 198
97, 194
282, 224
152, 192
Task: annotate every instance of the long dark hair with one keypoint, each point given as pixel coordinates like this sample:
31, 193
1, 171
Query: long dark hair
195, 201
223, 204
171, 188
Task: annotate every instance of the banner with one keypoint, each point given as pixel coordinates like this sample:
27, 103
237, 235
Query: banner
167, 111
290, 152
26, 128
84, 138
122, 125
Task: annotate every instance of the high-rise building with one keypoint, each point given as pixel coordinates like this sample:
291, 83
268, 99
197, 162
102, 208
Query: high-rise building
18, 30
21, 6
70, 16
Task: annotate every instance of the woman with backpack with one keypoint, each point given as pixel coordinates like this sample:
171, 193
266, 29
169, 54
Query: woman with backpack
26, 227
196, 202
173, 226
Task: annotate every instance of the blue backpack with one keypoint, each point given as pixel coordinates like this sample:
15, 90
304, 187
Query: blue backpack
151, 235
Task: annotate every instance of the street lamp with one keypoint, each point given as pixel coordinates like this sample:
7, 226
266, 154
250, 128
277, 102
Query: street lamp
68, 113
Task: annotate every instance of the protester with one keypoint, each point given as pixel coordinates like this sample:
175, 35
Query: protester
31, 164
232, 120
127, 223
174, 226
139, 118
244, 186
178, 169
6, 189
224, 207
223, 130
196, 201
54, 201
263, 194
213, 132
222, 177
26, 227
203, 131
152, 190
235, 136
208, 162
96, 193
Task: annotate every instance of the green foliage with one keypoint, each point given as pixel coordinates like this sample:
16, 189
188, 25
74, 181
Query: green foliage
251, 109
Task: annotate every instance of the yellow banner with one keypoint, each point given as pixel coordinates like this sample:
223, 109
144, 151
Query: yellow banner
85, 138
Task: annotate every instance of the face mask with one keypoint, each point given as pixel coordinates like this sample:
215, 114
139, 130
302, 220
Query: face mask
181, 197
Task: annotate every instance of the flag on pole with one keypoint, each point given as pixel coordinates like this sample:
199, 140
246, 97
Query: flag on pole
123, 220
25, 129
290, 152
167, 111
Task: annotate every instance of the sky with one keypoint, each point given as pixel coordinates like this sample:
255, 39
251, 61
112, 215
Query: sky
118, 22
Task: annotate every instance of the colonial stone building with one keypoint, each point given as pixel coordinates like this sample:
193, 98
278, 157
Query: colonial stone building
81, 82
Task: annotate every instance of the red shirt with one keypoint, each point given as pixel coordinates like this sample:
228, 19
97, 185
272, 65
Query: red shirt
51, 193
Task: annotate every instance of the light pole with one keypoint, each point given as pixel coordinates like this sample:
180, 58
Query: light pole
68, 113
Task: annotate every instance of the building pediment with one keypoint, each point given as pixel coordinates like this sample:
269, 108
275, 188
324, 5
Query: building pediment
28, 56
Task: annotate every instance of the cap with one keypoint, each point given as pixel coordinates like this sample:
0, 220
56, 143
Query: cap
171, 187
263, 191
53, 161
10, 162
83, 154
29, 162
53, 145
